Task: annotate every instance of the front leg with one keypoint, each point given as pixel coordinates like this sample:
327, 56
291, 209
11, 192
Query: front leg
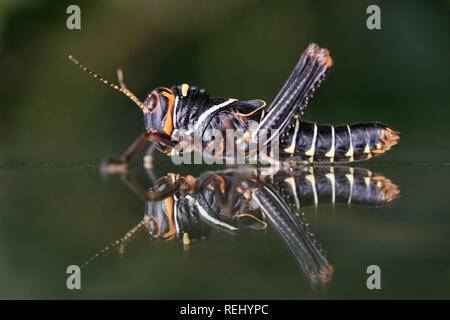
112, 166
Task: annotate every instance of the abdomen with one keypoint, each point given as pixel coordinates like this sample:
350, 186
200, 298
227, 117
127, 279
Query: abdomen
343, 143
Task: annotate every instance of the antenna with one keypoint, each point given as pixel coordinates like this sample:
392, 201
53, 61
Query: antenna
122, 88
126, 237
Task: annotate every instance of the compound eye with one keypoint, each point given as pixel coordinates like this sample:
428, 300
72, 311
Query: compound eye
153, 226
152, 102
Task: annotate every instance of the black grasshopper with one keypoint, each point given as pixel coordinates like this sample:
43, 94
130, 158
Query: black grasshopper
186, 209
191, 110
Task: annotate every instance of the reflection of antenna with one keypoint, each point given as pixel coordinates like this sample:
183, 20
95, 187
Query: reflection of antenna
126, 237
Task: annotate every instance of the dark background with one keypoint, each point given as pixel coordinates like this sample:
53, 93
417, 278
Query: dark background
51, 111
57, 123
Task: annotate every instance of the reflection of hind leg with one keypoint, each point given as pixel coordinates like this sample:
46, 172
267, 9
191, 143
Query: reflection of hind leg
295, 233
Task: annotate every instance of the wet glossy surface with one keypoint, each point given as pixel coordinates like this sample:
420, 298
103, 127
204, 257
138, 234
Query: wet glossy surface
58, 214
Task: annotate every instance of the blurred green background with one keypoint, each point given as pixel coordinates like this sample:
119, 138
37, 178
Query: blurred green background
50, 110
57, 123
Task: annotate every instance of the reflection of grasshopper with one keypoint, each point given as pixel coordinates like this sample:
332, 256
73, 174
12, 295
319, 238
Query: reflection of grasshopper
186, 208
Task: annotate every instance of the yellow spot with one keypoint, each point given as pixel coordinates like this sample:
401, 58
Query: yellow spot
291, 182
247, 194
186, 240
310, 178
310, 152
291, 148
330, 154
349, 152
330, 176
349, 178
184, 89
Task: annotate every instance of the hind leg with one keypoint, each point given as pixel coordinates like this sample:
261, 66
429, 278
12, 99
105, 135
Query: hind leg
293, 97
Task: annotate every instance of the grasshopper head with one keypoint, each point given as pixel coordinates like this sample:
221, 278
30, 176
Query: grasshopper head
158, 114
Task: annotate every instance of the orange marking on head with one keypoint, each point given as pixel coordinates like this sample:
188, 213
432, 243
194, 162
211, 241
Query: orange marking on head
168, 124
170, 217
